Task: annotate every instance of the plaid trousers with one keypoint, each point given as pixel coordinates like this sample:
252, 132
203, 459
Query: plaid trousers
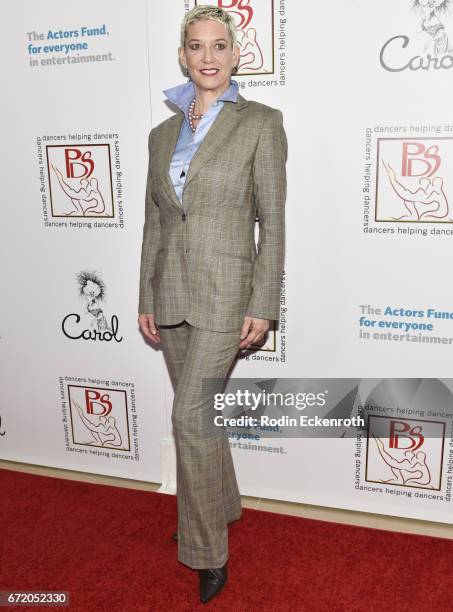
207, 492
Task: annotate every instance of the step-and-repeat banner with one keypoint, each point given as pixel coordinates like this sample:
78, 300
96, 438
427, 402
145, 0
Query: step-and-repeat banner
366, 305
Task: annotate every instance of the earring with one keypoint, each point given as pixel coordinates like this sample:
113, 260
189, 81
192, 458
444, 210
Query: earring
235, 69
186, 71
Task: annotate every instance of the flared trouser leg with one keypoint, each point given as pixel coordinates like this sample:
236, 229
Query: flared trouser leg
207, 491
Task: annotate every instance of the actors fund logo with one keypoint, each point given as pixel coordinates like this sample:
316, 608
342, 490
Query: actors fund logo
430, 48
99, 417
80, 180
413, 180
405, 452
93, 324
254, 21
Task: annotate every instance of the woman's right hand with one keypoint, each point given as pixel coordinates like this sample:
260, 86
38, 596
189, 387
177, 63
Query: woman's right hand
148, 327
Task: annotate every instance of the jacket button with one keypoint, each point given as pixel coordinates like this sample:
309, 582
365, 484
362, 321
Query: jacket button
183, 216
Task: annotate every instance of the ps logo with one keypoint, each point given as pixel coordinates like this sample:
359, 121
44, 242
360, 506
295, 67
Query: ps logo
97, 403
401, 430
413, 180
417, 156
404, 452
99, 417
75, 158
241, 8
80, 179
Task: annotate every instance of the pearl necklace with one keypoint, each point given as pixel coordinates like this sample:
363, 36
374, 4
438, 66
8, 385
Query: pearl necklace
192, 115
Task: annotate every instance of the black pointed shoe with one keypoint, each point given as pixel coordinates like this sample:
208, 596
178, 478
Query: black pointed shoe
174, 537
211, 582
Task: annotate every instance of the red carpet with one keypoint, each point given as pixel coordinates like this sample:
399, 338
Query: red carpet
111, 548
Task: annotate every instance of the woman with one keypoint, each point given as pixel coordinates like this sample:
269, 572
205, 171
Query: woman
205, 291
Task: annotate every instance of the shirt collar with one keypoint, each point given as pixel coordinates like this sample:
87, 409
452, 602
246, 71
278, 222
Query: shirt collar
182, 95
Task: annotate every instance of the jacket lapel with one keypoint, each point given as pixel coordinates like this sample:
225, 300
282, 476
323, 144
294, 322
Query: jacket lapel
218, 133
168, 149
216, 137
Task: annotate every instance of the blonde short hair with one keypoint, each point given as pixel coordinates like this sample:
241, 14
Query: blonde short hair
207, 11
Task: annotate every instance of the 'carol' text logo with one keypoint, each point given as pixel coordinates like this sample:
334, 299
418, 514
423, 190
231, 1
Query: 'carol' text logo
93, 325
430, 49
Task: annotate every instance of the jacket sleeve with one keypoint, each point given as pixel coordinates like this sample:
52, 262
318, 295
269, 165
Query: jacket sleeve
150, 243
269, 175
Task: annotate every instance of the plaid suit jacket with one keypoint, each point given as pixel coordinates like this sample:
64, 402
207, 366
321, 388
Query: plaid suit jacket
199, 262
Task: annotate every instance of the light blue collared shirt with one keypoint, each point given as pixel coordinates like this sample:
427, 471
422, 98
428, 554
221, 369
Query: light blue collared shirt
188, 142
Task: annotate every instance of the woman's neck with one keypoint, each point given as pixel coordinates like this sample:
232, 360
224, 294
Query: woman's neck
206, 97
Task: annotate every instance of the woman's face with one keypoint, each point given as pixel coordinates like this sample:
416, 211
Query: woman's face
208, 54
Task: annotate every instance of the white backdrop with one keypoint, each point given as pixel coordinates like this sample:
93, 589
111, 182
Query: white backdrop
367, 131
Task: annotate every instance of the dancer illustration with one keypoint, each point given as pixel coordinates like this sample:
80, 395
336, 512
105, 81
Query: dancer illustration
104, 433
412, 468
251, 54
436, 190
420, 461
418, 203
95, 196
92, 289
430, 11
84, 196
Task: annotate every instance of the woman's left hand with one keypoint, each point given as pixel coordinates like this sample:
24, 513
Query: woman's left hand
253, 331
